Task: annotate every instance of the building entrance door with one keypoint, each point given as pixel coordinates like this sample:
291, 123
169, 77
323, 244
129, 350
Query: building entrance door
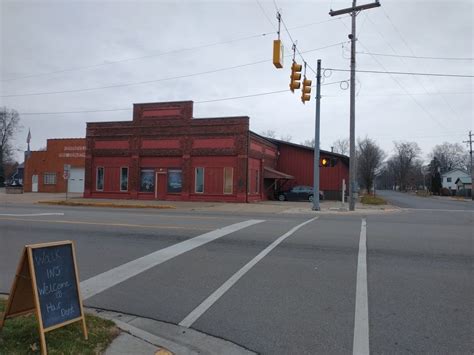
34, 183
160, 189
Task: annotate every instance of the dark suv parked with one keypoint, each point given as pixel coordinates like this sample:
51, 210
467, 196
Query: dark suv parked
299, 193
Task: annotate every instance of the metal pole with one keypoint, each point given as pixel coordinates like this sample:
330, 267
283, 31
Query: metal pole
352, 162
316, 206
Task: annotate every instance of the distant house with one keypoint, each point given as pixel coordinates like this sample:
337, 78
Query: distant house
17, 176
449, 178
465, 184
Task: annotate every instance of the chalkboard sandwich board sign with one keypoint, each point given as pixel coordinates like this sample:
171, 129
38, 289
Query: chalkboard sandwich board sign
47, 283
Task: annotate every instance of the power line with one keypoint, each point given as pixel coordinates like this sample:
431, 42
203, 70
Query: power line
111, 62
416, 57
405, 73
159, 80
196, 102
418, 79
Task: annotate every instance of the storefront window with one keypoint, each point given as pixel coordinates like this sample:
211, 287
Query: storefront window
199, 180
175, 182
147, 180
124, 179
228, 179
100, 179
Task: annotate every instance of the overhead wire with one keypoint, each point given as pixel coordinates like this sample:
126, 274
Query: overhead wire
180, 50
418, 80
195, 102
417, 57
157, 80
448, 75
448, 104
385, 71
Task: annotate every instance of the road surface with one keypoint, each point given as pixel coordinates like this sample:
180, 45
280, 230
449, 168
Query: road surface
274, 283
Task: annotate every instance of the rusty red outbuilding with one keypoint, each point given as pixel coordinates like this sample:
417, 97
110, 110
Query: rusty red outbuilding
167, 154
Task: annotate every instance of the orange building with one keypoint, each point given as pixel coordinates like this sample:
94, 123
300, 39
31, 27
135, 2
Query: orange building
44, 170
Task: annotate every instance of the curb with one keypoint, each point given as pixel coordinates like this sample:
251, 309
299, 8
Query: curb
168, 338
102, 204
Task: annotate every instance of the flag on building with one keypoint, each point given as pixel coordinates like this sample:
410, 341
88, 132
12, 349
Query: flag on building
28, 138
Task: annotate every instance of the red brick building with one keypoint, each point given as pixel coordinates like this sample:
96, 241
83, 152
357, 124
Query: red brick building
44, 169
166, 154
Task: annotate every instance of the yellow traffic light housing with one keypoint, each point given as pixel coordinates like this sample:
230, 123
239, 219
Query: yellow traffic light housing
278, 54
306, 90
324, 162
295, 76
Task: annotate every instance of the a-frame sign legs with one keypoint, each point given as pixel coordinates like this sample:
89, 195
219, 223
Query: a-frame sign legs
24, 296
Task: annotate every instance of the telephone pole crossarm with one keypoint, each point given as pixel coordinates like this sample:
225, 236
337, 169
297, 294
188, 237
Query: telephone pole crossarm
355, 8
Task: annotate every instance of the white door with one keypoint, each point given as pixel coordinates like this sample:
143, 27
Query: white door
76, 180
34, 183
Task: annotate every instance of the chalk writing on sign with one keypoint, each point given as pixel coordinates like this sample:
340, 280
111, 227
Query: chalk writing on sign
56, 283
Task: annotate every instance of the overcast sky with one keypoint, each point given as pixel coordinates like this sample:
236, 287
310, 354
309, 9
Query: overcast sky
56, 46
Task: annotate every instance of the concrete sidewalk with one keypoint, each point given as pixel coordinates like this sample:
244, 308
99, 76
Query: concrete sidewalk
270, 207
147, 336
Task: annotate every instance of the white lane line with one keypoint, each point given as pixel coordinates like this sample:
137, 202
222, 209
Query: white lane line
31, 214
208, 302
102, 282
361, 321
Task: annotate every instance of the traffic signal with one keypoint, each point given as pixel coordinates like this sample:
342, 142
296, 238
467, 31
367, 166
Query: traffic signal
306, 90
327, 162
295, 76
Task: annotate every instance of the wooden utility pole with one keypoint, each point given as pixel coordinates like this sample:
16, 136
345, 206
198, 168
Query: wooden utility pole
354, 10
472, 168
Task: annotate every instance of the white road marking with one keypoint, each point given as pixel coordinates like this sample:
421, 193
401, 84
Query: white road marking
31, 214
208, 302
106, 280
361, 321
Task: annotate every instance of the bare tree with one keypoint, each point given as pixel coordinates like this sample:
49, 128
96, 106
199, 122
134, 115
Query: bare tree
268, 133
403, 162
9, 124
450, 156
308, 143
369, 160
286, 138
341, 146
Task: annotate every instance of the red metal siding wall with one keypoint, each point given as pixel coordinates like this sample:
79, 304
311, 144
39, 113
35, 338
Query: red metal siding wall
299, 163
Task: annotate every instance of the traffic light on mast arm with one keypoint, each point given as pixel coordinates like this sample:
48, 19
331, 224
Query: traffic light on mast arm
295, 76
306, 90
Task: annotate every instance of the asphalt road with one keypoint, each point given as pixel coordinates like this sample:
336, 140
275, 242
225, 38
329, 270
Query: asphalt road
408, 200
300, 296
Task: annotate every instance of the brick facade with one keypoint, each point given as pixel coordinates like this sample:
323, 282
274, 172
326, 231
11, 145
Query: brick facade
165, 153
165, 139
51, 162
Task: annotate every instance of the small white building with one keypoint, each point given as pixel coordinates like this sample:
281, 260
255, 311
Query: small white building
448, 179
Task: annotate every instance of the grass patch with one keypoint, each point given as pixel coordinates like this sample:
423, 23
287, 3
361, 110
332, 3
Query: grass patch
102, 204
372, 200
422, 193
20, 336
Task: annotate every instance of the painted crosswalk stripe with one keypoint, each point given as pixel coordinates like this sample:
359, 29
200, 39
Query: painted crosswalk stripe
108, 279
208, 302
361, 321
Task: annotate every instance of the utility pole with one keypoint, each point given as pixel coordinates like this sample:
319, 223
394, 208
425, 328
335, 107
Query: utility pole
316, 206
472, 169
352, 163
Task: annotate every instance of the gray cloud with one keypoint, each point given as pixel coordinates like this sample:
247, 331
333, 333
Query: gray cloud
44, 36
